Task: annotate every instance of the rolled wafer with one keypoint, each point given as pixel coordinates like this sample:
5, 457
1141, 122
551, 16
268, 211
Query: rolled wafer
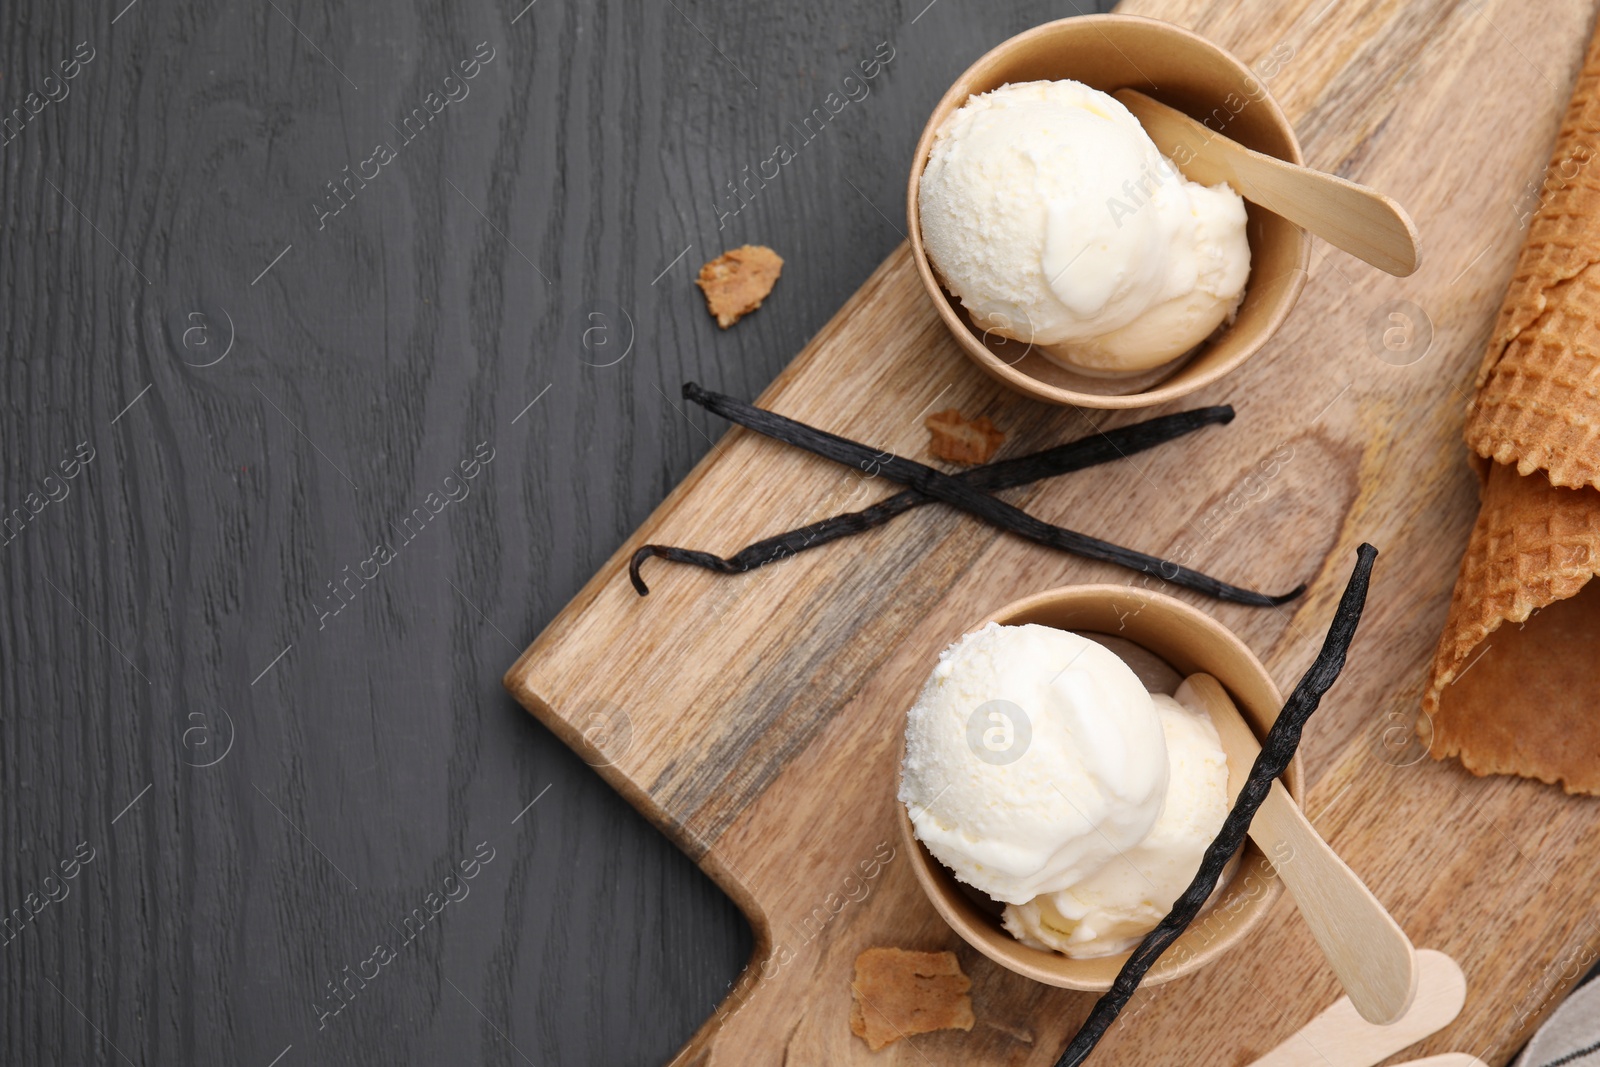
1515, 684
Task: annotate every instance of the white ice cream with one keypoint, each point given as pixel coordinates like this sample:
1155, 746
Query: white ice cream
1048, 211
1112, 909
1034, 757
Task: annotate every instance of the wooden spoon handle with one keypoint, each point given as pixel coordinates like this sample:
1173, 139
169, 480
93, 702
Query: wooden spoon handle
1359, 220
1339, 1037
1362, 221
1363, 944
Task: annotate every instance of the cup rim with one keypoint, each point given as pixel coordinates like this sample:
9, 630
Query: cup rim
938, 883
1171, 388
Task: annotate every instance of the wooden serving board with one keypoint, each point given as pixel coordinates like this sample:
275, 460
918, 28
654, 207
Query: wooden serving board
756, 719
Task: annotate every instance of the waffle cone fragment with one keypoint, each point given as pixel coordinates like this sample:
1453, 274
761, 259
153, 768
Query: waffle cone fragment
1516, 676
899, 993
1538, 390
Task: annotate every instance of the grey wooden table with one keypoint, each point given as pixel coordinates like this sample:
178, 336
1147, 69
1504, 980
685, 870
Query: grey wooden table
339, 343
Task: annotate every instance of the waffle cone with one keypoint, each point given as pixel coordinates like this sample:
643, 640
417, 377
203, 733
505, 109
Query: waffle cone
1537, 405
1513, 683
1511, 690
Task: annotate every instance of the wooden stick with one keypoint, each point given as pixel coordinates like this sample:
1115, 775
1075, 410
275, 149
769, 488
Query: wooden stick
1340, 1037
1359, 220
1363, 944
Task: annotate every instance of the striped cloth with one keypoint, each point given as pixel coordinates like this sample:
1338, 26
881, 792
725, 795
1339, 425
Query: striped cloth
1571, 1036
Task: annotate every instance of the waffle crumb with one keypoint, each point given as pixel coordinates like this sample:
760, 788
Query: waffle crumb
958, 439
736, 282
899, 993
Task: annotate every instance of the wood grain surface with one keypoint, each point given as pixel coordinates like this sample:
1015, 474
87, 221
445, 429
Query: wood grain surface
164, 607
756, 718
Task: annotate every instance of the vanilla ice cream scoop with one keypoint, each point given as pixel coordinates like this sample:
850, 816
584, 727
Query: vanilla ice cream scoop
1034, 757
1111, 910
1049, 213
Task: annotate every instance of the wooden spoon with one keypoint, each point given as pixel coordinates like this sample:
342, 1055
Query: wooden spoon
1340, 1038
1365, 946
1359, 220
